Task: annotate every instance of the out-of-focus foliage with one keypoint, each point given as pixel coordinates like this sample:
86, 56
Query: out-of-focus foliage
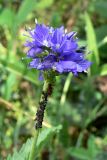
75, 124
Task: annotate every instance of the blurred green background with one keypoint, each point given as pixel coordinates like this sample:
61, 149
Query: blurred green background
75, 123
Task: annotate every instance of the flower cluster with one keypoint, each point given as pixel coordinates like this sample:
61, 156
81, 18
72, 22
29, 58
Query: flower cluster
54, 50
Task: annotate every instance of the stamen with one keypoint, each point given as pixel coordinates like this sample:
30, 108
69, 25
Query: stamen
57, 46
36, 21
45, 43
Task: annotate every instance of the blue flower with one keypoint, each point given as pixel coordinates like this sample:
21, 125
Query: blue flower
51, 49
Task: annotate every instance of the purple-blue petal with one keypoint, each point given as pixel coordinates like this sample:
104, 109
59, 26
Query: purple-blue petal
60, 50
32, 52
58, 35
65, 66
41, 77
83, 65
70, 35
68, 46
34, 63
47, 63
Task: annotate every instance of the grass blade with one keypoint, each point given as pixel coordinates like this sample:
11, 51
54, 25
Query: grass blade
92, 44
20, 70
24, 10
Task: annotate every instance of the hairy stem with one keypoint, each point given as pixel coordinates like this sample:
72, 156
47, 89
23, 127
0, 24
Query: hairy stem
47, 90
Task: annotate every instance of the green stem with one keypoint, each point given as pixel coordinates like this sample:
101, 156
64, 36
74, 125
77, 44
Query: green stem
65, 89
39, 116
33, 149
42, 105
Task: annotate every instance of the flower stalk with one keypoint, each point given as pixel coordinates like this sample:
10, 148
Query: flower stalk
46, 92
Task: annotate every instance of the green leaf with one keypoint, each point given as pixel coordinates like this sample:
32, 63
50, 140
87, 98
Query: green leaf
19, 69
23, 153
101, 8
44, 4
56, 19
7, 17
9, 157
92, 45
25, 150
101, 32
102, 155
44, 135
103, 70
92, 148
26, 7
65, 89
8, 87
80, 153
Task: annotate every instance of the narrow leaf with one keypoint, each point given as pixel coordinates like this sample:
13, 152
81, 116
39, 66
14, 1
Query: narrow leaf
80, 153
92, 44
26, 7
44, 4
20, 70
7, 17
103, 70
92, 148
46, 134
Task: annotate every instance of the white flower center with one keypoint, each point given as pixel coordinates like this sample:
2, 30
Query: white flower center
57, 46
45, 43
51, 30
